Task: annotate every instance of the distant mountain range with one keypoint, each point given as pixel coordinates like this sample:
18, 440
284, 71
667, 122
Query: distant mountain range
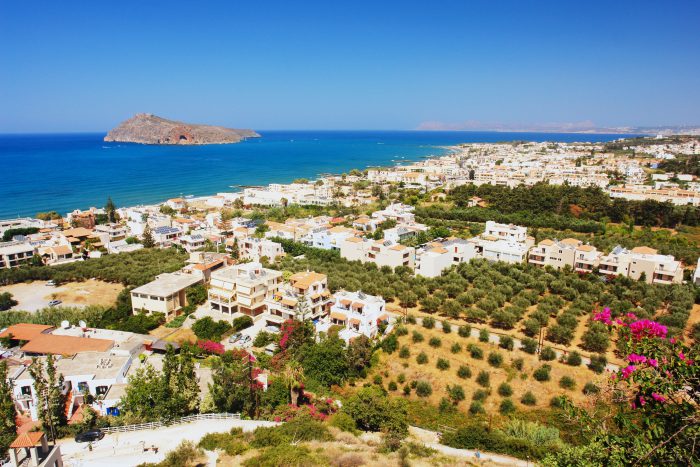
151, 129
576, 127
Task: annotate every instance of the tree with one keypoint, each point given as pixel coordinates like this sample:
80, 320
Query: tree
233, 388
372, 410
6, 301
48, 387
294, 378
301, 310
147, 238
8, 412
146, 397
359, 355
235, 250
325, 361
111, 210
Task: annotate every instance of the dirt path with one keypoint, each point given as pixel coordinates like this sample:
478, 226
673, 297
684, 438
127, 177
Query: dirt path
33, 296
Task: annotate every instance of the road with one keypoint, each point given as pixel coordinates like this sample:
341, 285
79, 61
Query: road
126, 449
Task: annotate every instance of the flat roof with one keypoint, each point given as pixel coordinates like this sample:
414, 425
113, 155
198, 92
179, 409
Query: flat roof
102, 365
65, 345
167, 284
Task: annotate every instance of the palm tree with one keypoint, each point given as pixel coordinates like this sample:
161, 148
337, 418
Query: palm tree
293, 378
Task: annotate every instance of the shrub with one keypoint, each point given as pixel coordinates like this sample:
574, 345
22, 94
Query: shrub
285, 454
393, 386
263, 338
505, 342
495, 359
557, 402
227, 442
464, 331
242, 322
476, 408
186, 453
435, 342
483, 379
446, 327
456, 348
456, 393
407, 390
505, 390
542, 373
464, 372
377, 380
528, 399
518, 364
401, 330
428, 322
548, 354
507, 407
401, 378
302, 428
417, 337
480, 395
442, 364
598, 363
476, 352
422, 358
343, 421
574, 359
529, 345
410, 319
567, 382
423, 389
590, 388
483, 335
208, 329
404, 352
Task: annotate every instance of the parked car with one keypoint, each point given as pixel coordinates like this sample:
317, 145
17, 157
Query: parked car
50, 284
234, 338
245, 340
272, 329
89, 436
55, 302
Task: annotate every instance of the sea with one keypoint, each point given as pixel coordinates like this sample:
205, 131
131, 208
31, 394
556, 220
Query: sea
62, 172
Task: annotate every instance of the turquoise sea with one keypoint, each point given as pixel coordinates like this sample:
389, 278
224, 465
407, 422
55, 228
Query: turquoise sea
62, 172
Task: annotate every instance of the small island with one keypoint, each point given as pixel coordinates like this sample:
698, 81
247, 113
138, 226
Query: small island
151, 129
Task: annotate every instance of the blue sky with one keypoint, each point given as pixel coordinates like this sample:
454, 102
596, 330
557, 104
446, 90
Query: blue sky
85, 66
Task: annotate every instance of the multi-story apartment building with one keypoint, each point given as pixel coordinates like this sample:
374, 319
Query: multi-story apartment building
401, 213
192, 242
13, 254
166, 294
567, 252
434, 257
642, 262
304, 297
243, 288
112, 231
510, 232
358, 314
381, 253
165, 236
642, 192
255, 249
328, 238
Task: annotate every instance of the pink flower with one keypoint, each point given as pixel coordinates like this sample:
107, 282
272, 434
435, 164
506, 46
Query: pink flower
627, 371
647, 328
634, 358
672, 340
633, 405
658, 397
653, 362
642, 401
631, 316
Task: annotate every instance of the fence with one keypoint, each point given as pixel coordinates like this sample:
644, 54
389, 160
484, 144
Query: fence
189, 418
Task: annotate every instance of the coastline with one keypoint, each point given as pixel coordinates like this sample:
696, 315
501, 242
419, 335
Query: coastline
86, 170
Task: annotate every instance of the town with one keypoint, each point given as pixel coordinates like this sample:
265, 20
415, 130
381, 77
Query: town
257, 275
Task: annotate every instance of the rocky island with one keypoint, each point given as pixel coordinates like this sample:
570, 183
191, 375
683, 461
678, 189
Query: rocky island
151, 129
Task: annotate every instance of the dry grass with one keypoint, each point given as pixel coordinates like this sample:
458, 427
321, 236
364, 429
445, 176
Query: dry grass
178, 335
441, 379
90, 292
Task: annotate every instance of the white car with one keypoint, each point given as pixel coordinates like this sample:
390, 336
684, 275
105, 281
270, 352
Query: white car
272, 329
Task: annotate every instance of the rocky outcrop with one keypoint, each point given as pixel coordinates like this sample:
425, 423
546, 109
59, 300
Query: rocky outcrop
151, 129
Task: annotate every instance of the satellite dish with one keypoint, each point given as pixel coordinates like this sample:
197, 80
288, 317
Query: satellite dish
82, 324
65, 324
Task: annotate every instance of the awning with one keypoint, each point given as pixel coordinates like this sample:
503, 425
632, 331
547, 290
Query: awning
338, 316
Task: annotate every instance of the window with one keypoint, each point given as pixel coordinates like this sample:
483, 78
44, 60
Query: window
101, 390
26, 390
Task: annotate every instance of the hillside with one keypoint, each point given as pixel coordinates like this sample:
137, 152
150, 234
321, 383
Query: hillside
151, 129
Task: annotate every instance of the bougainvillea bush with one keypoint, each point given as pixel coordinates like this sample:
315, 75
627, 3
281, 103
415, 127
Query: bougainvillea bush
655, 401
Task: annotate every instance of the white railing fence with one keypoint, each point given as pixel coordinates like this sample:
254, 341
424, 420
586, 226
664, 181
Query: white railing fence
188, 419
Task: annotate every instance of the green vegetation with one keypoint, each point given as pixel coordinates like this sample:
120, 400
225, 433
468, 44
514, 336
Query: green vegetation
208, 329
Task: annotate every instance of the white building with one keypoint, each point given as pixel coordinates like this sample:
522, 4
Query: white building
255, 249
304, 297
435, 257
642, 262
166, 294
14, 254
358, 314
243, 288
381, 253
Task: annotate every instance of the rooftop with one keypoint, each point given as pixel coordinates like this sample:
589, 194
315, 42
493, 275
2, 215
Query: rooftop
65, 345
25, 331
167, 284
